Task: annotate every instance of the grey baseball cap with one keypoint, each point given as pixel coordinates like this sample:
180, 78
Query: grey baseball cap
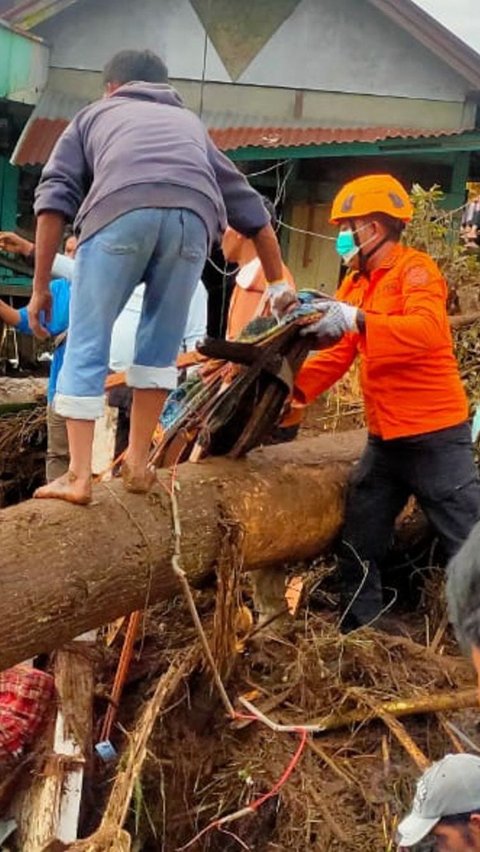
451, 786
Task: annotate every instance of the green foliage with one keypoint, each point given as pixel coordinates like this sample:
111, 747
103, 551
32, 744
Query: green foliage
467, 349
437, 232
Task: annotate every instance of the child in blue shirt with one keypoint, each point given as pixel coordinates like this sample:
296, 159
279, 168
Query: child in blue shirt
57, 442
57, 326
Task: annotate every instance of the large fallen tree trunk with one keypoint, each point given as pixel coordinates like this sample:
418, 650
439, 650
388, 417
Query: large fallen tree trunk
66, 569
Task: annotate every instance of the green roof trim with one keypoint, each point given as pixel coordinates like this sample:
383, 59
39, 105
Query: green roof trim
461, 142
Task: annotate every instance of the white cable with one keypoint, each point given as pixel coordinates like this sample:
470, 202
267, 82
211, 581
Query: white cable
268, 169
449, 213
384, 609
204, 63
365, 566
303, 231
441, 218
282, 187
224, 271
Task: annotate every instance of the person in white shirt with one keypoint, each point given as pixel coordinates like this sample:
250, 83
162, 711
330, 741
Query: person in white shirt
122, 351
125, 328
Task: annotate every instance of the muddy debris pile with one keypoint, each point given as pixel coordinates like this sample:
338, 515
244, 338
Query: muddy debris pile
23, 438
189, 774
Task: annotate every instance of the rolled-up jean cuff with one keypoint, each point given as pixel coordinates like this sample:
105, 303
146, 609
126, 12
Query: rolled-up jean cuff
152, 378
79, 407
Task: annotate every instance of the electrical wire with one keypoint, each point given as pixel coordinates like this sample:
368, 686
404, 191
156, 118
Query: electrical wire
268, 169
308, 233
365, 569
223, 271
280, 193
282, 186
447, 215
257, 803
204, 64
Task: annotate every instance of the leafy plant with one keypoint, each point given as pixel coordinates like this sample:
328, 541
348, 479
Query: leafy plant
437, 232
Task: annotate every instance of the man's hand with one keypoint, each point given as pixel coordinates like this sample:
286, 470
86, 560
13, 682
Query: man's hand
39, 311
14, 243
50, 227
282, 298
337, 319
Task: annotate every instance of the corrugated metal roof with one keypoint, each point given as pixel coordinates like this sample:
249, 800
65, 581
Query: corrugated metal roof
35, 146
228, 130
30, 13
53, 104
277, 136
47, 122
6, 25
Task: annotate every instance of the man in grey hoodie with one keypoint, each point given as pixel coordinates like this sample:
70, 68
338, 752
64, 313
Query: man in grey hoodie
149, 192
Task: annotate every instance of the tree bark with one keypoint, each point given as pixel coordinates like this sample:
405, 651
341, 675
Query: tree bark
461, 320
16, 394
67, 569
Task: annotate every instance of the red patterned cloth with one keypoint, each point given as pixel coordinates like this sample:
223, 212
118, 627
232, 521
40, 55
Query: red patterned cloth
25, 695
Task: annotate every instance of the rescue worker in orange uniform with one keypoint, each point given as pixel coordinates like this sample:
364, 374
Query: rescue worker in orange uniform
390, 311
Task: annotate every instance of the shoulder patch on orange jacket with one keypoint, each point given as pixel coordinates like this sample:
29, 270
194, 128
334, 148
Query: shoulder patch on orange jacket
417, 276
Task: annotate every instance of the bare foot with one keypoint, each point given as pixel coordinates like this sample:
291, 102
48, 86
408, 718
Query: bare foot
138, 481
68, 487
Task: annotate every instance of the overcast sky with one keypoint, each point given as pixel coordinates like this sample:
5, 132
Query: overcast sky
460, 16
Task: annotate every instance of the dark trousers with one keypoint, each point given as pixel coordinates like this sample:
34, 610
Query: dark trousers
439, 469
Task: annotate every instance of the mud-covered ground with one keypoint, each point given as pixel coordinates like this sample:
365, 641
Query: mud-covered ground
350, 785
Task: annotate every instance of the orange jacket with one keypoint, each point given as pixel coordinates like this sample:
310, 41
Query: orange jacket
408, 371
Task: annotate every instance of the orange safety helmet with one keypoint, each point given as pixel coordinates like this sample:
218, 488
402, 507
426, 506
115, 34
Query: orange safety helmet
372, 194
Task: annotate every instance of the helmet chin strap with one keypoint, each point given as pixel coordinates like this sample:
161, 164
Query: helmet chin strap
364, 256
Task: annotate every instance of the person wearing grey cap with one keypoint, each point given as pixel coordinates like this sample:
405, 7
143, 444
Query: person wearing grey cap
446, 807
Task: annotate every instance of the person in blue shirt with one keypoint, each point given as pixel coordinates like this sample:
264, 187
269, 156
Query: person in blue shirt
57, 460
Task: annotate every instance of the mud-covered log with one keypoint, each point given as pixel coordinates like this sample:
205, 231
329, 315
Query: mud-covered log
17, 394
67, 569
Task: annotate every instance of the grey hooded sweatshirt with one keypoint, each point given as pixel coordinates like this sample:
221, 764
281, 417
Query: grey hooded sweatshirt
141, 147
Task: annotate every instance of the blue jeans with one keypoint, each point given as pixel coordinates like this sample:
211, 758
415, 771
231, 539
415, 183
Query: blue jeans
165, 248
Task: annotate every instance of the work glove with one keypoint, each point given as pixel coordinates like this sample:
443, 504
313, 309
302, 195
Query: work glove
338, 318
282, 298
